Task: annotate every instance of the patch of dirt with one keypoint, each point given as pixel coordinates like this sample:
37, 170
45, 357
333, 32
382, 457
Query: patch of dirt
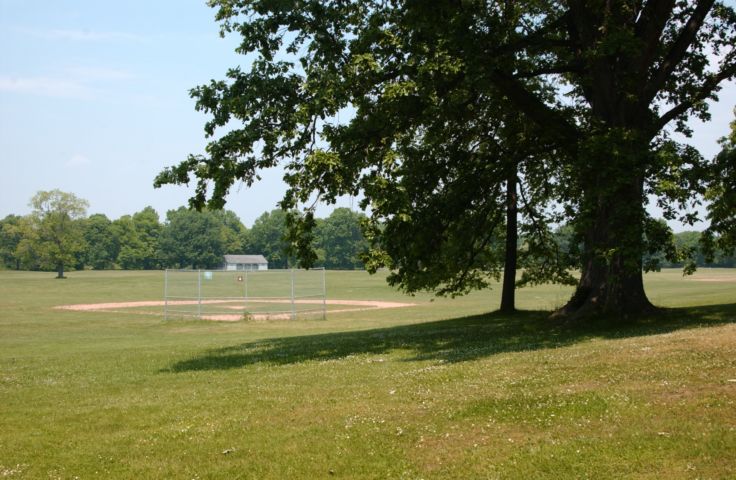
119, 307
714, 278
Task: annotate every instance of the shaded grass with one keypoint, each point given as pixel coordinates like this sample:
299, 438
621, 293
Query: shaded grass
455, 340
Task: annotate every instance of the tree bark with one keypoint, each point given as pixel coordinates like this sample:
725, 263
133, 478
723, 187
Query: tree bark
508, 293
611, 281
60, 271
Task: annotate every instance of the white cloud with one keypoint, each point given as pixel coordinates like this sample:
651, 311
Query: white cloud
77, 161
82, 35
46, 86
89, 74
73, 82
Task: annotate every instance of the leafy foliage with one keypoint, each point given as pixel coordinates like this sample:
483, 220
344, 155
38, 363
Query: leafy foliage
192, 239
53, 230
721, 193
268, 237
423, 111
340, 240
103, 246
11, 234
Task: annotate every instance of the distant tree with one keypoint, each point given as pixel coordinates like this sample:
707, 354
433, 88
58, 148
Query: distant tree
11, 235
131, 249
148, 229
689, 245
232, 231
27, 250
724, 259
138, 238
690, 253
54, 230
268, 237
340, 239
103, 245
198, 239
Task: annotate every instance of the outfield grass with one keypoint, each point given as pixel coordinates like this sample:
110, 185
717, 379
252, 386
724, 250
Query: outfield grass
439, 390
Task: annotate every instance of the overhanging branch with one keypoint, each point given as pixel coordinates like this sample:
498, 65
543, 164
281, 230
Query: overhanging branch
677, 50
551, 70
708, 87
649, 28
551, 121
536, 38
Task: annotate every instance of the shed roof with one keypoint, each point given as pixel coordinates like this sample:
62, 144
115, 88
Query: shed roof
247, 259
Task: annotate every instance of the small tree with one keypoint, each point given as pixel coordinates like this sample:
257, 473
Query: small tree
54, 228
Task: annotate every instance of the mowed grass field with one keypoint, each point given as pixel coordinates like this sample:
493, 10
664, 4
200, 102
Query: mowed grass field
442, 389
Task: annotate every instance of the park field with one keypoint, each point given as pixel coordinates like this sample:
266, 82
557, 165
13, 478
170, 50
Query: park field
439, 389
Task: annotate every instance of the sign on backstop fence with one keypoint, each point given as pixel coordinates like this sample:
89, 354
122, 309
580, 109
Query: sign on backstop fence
257, 294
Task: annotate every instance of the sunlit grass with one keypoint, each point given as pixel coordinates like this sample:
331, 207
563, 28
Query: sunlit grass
439, 390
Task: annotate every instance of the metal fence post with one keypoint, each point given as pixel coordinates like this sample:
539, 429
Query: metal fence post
199, 294
293, 305
245, 278
166, 294
324, 295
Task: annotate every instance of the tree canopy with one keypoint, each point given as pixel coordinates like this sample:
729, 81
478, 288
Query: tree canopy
409, 106
192, 239
268, 237
52, 228
103, 246
721, 192
340, 242
185, 239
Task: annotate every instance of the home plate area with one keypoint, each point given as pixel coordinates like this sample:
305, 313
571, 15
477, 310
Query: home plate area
232, 310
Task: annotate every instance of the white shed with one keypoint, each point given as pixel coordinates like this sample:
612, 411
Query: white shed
245, 262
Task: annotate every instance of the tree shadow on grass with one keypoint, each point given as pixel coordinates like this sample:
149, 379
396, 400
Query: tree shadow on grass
454, 340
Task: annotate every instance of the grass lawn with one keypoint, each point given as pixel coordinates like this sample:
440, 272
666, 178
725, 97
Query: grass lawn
438, 390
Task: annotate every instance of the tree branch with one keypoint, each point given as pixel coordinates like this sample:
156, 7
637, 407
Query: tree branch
546, 117
677, 50
552, 69
535, 38
649, 30
705, 90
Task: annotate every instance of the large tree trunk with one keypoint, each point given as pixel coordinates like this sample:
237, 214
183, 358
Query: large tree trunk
508, 292
613, 216
60, 270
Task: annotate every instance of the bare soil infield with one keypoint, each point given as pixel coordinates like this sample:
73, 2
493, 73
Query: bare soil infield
124, 307
719, 278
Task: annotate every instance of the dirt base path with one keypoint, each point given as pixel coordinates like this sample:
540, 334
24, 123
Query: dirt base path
122, 307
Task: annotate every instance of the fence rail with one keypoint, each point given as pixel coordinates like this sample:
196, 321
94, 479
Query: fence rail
232, 293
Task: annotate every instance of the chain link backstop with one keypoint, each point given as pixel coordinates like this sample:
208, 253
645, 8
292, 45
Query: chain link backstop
255, 294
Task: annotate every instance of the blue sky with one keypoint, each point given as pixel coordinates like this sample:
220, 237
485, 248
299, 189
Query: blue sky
94, 100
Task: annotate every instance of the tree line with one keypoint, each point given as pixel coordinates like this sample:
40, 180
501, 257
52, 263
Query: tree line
58, 234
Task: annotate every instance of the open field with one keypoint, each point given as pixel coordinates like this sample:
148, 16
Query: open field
437, 390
